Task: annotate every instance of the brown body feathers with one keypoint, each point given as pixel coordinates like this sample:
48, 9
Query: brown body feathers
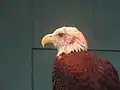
84, 71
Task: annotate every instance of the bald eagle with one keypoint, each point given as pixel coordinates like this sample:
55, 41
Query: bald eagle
77, 69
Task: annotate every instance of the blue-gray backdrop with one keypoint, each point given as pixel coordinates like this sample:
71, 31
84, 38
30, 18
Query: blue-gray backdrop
24, 22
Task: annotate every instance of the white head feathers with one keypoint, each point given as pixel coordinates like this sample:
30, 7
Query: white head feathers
72, 40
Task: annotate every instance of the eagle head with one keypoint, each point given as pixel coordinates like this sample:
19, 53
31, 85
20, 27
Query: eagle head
66, 40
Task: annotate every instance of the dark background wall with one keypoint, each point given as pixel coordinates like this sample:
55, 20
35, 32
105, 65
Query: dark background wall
16, 44
24, 22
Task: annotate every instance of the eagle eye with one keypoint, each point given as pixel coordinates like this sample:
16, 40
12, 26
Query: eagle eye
60, 34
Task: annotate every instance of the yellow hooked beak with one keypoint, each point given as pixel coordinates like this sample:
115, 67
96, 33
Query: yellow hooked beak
49, 38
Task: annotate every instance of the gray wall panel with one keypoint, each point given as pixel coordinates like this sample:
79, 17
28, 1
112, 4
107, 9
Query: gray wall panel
107, 24
15, 38
43, 61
